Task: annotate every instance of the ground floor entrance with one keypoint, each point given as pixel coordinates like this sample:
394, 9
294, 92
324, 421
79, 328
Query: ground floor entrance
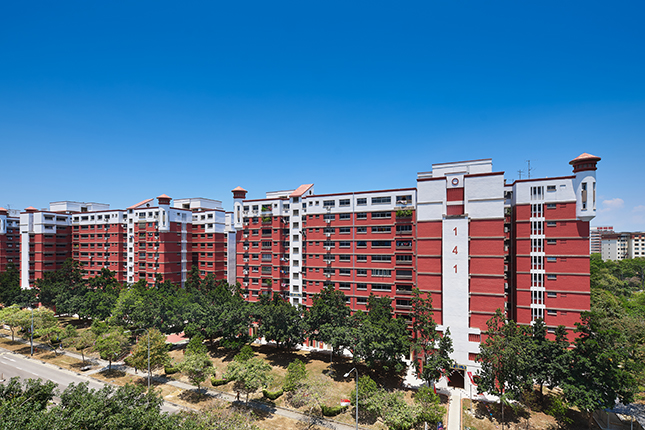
456, 378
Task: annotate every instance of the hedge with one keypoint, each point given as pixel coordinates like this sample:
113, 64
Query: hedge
215, 382
272, 395
332, 411
169, 369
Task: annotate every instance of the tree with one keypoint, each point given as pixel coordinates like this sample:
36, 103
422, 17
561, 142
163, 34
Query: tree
196, 345
197, 367
249, 375
548, 365
153, 342
10, 291
280, 321
310, 392
296, 374
429, 403
378, 337
81, 341
111, 345
50, 335
327, 320
432, 349
12, 316
506, 358
599, 368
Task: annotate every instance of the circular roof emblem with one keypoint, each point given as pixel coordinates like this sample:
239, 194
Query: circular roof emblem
455, 181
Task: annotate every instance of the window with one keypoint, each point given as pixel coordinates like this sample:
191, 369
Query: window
361, 300
387, 258
329, 203
344, 230
381, 272
404, 200
552, 277
404, 244
343, 202
344, 285
537, 193
550, 205
361, 272
329, 217
552, 313
345, 272
550, 187
405, 259
344, 216
361, 244
551, 223
345, 258
361, 202
404, 274
361, 229
537, 313
361, 258
344, 244
382, 229
403, 229
377, 215
551, 259
537, 210
381, 244
361, 215
552, 295
381, 200
382, 287
551, 241
330, 230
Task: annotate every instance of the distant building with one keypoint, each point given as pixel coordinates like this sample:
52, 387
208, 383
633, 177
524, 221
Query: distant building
9, 238
595, 236
140, 242
619, 246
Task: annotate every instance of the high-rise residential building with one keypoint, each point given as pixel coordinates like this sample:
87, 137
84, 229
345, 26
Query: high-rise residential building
9, 238
621, 245
595, 238
138, 243
462, 234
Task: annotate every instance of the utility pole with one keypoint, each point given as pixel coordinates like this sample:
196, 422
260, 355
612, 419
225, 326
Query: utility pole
519, 172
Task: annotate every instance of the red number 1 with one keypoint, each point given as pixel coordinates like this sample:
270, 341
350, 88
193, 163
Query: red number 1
455, 267
455, 230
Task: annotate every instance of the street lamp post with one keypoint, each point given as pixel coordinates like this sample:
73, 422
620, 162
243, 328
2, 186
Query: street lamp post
347, 375
32, 331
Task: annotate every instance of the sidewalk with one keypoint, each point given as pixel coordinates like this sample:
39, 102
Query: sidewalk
277, 410
454, 409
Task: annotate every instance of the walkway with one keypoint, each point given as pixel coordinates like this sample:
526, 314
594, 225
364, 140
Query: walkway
454, 409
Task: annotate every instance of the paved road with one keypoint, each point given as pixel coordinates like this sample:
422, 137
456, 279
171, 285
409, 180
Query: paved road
17, 365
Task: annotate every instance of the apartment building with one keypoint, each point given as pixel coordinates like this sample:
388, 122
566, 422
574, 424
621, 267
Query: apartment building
9, 238
463, 234
141, 242
621, 245
595, 238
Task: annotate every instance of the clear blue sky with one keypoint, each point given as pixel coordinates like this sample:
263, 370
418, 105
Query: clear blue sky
119, 101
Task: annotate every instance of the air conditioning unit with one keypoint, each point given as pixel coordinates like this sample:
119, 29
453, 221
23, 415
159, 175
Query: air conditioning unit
328, 221
328, 275
328, 234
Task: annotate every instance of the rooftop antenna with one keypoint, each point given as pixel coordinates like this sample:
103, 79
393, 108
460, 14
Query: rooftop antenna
529, 169
519, 172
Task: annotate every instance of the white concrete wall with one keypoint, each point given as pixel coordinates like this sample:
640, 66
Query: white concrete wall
484, 196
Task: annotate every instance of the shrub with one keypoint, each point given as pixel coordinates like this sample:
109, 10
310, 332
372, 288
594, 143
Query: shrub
296, 373
217, 382
402, 213
169, 369
272, 395
245, 354
332, 411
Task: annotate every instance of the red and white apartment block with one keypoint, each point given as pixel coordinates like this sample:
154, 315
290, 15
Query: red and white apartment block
140, 242
463, 234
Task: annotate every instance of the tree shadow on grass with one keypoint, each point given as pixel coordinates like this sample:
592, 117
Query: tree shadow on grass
113, 374
194, 397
